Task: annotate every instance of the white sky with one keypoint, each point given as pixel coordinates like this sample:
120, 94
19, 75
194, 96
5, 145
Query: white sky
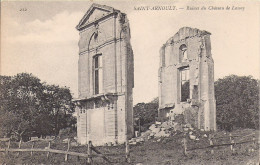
43, 40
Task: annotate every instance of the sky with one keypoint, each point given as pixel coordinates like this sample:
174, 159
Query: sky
40, 38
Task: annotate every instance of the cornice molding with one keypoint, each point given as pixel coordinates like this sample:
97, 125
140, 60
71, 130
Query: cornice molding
108, 42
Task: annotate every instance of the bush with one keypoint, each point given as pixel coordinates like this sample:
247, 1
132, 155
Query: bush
67, 133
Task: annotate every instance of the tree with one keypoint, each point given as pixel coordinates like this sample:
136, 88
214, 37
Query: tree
146, 113
59, 105
237, 102
29, 107
12, 125
19, 102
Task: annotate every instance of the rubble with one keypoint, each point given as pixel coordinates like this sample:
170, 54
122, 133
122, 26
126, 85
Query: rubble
73, 144
65, 140
160, 130
152, 127
162, 134
192, 137
157, 122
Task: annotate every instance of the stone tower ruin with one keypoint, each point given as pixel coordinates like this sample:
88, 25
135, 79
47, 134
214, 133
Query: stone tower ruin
186, 78
105, 77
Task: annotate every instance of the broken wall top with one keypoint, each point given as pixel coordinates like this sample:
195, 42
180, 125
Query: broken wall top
186, 32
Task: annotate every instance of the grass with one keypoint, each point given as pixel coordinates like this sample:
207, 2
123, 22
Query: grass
166, 151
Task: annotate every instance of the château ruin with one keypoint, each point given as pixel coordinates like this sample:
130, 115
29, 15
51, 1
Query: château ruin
186, 78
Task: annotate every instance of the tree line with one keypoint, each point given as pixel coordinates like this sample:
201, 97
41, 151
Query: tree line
29, 107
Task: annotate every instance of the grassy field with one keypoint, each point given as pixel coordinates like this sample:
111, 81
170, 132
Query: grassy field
164, 151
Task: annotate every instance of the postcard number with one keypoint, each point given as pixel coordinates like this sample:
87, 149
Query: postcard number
23, 9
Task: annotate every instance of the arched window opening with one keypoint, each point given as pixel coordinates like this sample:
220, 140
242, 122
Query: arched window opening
93, 41
183, 53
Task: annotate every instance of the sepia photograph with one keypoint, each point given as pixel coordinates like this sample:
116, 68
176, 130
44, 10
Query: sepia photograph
130, 82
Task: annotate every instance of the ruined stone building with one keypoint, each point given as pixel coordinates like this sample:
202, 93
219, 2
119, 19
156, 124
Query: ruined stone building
105, 77
186, 78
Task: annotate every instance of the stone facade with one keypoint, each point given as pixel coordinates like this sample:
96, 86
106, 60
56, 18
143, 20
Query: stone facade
105, 77
186, 78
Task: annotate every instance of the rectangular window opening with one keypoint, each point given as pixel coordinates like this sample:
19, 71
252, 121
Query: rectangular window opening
98, 74
185, 84
195, 92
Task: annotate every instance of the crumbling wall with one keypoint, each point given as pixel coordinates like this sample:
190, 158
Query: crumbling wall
185, 59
